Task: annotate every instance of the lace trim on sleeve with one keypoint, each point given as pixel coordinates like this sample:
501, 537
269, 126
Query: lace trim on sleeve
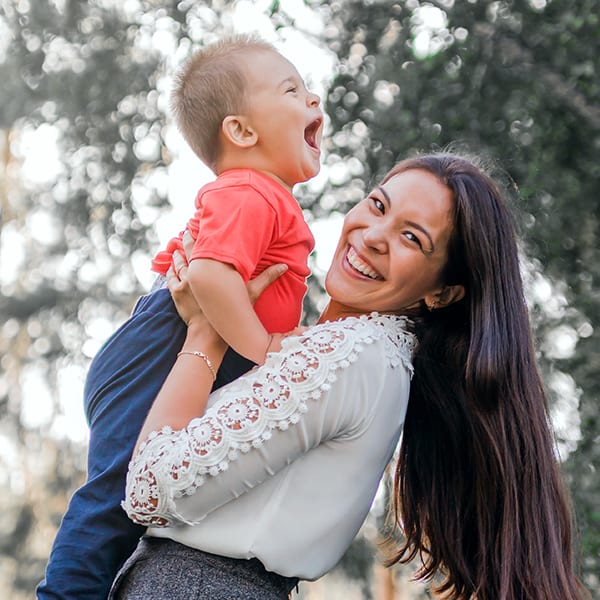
171, 464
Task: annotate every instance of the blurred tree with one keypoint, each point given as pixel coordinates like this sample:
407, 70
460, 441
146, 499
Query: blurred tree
81, 96
518, 82
75, 74
82, 183
515, 80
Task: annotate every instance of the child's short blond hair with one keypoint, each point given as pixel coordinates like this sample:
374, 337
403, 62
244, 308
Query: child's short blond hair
209, 87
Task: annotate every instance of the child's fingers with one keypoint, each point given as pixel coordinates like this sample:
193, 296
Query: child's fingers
297, 331
277, 338
294, 332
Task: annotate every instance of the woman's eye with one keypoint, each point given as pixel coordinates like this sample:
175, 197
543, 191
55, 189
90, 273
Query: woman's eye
413, 238
378, 204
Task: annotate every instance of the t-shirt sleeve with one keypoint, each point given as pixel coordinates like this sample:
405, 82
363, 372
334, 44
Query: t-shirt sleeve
314, 390
236, 226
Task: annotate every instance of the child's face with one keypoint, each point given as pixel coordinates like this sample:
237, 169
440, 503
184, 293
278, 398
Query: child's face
286, 116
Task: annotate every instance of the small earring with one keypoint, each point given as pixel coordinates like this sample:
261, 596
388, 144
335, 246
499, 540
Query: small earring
431, 307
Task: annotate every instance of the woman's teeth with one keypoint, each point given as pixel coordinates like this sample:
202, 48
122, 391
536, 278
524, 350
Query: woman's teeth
360, 266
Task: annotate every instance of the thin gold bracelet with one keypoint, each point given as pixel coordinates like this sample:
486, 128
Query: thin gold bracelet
203, 357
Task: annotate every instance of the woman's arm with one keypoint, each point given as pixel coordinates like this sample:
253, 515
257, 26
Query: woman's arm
185, 392
313, 391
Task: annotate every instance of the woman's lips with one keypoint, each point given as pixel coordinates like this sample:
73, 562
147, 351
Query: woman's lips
361, 266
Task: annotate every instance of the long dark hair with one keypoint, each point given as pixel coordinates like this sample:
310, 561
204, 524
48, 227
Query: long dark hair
478, 493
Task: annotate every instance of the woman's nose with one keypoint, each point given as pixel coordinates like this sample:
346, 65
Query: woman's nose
374, 237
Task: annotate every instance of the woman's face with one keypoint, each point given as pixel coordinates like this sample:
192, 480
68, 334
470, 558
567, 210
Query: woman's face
393, 246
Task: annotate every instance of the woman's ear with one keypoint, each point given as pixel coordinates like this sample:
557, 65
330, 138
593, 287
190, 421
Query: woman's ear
238, 132
448, 295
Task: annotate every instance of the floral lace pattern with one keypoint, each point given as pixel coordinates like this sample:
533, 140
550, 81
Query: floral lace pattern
170, 464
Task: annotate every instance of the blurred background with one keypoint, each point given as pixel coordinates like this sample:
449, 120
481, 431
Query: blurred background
93, 176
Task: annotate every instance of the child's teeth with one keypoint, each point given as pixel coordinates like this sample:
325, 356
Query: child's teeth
360, 266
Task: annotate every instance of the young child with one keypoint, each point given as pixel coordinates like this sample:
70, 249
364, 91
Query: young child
247, 114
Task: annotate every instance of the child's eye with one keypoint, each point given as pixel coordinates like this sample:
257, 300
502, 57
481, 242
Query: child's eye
293, 89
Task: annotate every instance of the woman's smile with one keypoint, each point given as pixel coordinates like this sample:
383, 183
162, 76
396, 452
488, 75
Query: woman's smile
357, 263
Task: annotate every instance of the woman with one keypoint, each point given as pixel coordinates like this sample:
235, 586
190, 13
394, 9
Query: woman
273, 482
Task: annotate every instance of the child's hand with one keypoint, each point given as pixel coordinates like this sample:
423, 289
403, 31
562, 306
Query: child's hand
296, 331
276, 338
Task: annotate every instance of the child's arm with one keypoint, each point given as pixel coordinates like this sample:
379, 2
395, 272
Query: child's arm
221, 292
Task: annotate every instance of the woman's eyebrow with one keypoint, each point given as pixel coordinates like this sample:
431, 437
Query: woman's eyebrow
411, 223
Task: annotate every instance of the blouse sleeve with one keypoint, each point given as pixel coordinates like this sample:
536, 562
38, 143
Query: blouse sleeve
256, 426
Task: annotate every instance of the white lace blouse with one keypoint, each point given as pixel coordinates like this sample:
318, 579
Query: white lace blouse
285, 462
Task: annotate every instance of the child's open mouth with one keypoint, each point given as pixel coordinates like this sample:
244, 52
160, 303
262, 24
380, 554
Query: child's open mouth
311, 133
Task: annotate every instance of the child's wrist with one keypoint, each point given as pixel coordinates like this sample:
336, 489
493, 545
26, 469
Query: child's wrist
275, 340
269, 344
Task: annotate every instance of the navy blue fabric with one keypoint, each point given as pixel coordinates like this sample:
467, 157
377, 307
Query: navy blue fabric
96, 536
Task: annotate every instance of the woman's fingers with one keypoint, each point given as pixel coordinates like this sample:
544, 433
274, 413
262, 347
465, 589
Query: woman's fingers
261, 282
177, 274
179, 265
185, 303
172, 279
188, 244
179, 287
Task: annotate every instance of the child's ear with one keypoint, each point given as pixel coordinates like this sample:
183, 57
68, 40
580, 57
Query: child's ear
238, 131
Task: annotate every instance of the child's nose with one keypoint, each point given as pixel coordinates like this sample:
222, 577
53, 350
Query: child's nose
313, 99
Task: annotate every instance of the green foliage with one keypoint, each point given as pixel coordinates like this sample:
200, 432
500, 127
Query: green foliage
519, 85
89, 74
78, 69
516, 83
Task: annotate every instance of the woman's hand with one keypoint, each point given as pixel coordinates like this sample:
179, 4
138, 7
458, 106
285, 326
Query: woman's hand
184, 300
185, 392
261, 282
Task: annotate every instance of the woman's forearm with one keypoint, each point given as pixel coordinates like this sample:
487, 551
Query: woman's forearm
185, 392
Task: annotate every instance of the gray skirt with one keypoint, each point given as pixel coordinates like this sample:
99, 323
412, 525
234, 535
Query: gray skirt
161, 569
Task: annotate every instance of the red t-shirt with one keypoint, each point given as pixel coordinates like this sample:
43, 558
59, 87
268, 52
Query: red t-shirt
248, 220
